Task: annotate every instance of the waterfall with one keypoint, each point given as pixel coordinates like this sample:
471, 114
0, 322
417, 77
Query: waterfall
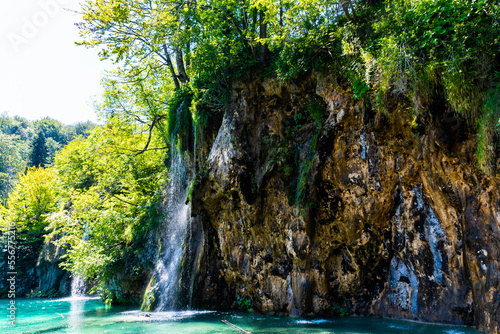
362, 142
178, 218
77, 286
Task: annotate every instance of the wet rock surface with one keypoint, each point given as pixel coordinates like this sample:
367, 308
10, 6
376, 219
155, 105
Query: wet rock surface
51, 276
362, 213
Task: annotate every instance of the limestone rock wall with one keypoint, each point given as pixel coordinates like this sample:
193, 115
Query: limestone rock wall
50, 276
360, 212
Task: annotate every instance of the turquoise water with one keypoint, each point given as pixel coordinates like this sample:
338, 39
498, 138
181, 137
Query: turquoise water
86, 315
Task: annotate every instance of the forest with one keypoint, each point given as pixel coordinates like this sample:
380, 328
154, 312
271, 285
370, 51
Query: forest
99, 190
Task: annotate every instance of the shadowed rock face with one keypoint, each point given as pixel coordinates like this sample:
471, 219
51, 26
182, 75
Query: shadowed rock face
50, 276
361, 213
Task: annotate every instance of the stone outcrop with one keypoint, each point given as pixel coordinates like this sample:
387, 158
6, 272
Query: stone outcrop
356, 212
52, 278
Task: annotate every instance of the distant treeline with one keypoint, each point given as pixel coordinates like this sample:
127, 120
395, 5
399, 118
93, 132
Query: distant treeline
25, 143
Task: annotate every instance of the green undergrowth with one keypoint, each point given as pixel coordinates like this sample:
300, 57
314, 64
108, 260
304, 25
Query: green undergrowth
488, 139
343, 309
411, 49
244, 303
52, 293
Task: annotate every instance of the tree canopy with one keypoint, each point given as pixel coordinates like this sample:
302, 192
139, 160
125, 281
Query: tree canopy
111, 189
35, 196
18, 137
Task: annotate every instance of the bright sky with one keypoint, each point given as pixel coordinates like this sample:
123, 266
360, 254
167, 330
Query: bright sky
42, 72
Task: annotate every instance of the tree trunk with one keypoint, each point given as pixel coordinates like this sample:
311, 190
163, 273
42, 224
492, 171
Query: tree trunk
171, 67
281, 14
254, 20
188, 52
353, 10
346, 10
181, 70
244, 17
345, 6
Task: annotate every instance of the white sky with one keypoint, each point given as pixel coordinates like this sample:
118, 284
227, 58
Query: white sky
42, 72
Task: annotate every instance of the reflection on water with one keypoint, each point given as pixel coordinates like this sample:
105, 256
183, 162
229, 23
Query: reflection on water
76, 314
89, 315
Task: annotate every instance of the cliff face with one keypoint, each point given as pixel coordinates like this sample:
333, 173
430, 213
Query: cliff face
51, 277
359, 212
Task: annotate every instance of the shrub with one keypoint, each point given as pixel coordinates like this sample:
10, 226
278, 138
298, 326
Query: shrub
244, 303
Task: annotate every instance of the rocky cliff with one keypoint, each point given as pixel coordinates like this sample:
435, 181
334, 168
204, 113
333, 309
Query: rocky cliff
309, 201
52, 279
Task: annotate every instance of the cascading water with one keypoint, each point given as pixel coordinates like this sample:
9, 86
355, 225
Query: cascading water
77, 286
178, 218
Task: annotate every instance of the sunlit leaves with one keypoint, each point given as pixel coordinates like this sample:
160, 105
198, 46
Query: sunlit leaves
35, 196
110, 188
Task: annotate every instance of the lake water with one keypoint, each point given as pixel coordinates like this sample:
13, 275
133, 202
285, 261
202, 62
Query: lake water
86, 315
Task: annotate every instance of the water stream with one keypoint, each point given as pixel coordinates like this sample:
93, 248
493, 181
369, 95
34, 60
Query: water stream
178, 223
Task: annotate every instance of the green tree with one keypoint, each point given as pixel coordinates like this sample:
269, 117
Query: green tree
81, 129
11, 163
34, 197
111, 182
50, 128
7, 156
39, 152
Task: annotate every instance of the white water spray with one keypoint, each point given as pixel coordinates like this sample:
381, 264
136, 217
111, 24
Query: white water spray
77, 286
178, 219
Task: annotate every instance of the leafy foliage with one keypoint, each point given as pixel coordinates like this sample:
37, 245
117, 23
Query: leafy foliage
16, 138
34, 197
489, 134
111, 189
244, 303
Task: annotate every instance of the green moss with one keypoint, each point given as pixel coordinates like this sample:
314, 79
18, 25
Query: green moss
190, 191
488, 139
275, 153
299, 120
359, 87
304, 171
149, 298
316, 109
341, 310
303, 181
197, 180
52, 293
244, 303
179, 119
